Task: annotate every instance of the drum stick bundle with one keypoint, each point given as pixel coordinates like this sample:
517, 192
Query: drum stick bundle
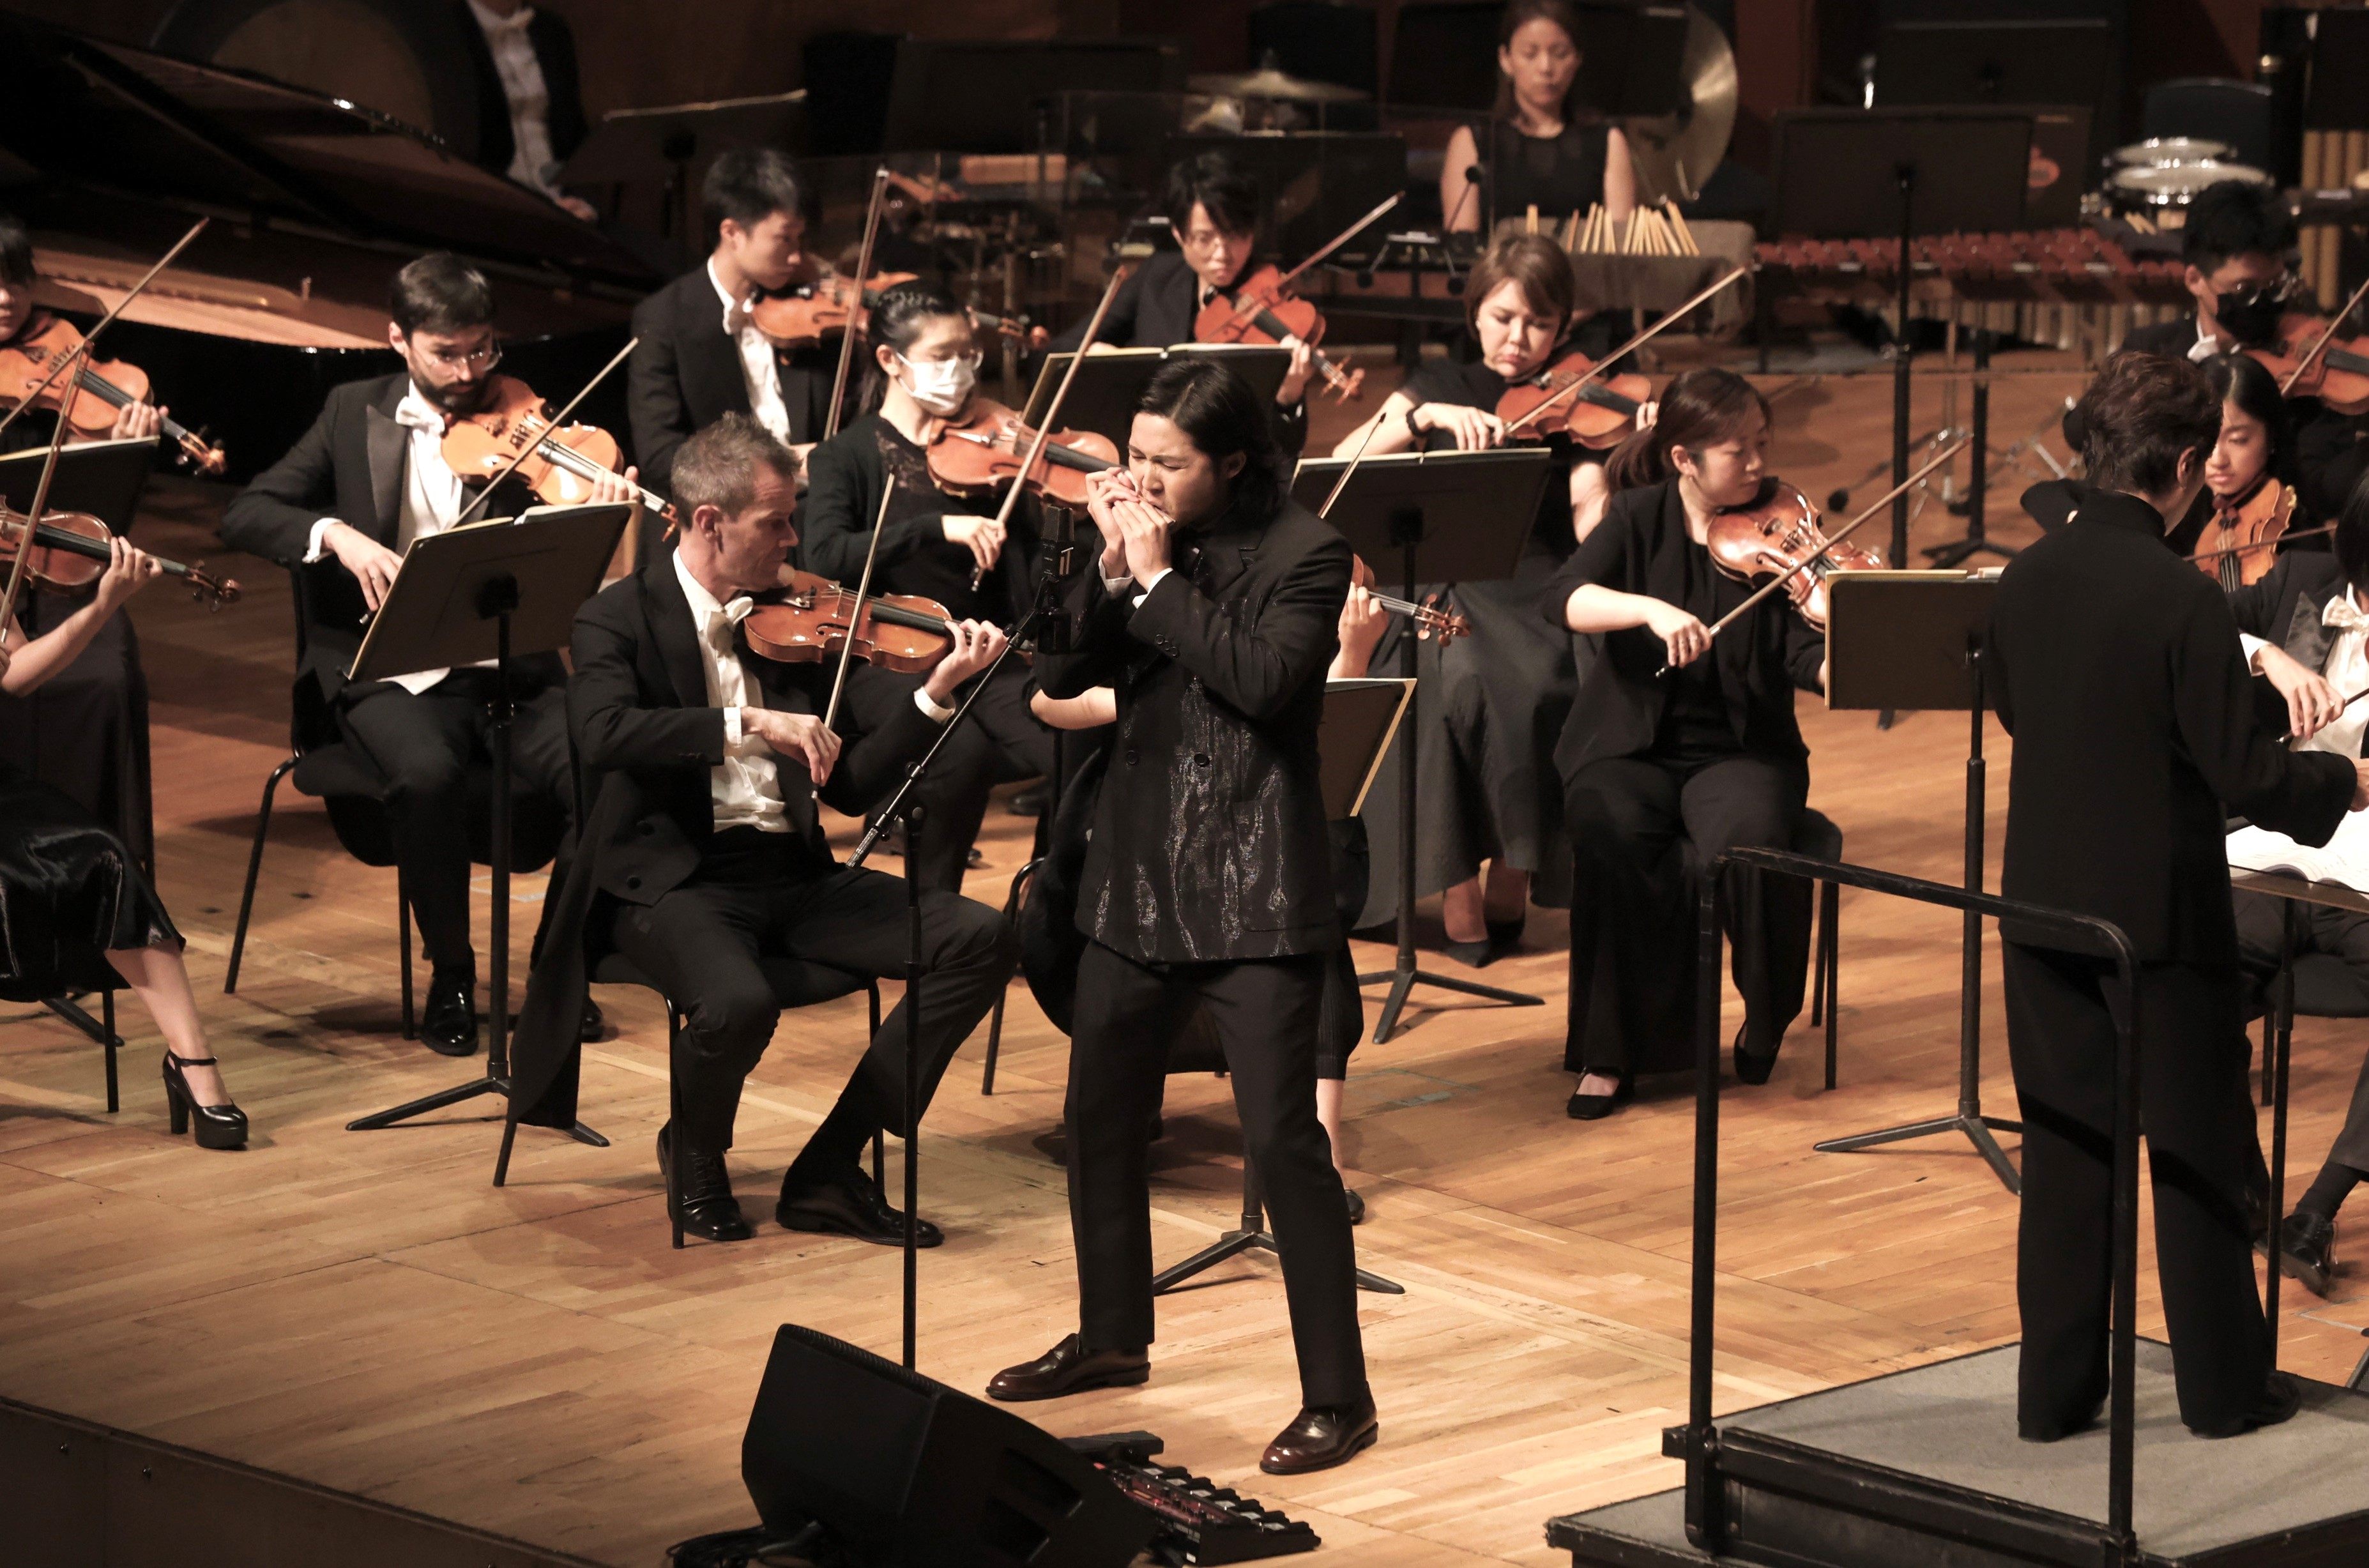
1650, 230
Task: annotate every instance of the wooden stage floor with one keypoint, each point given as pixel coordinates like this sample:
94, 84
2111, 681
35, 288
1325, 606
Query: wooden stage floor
365, 1311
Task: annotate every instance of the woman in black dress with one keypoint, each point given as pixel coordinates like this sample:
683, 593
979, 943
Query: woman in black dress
1492, 704
75, 913
933, 544
1546, 149
1662, 773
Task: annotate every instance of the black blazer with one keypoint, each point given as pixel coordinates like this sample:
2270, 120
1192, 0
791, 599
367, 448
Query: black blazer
554, 50
1618, 711
685, 374
648, 742
2285, 606
350, 465
2116, 667
1210, 838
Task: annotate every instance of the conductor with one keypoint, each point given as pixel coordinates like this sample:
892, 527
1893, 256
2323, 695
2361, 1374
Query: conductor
2119, 674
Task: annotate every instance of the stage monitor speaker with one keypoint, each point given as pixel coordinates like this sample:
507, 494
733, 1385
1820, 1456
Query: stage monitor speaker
903, 1471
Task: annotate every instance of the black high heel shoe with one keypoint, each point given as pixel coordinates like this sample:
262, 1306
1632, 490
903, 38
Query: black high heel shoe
219, 1126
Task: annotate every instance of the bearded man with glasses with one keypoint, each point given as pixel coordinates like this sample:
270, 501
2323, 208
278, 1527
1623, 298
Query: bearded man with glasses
340, 509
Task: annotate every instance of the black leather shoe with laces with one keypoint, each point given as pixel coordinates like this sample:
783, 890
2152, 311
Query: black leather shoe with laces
449, 1024
2307, 1250
848, 1204
706, 1206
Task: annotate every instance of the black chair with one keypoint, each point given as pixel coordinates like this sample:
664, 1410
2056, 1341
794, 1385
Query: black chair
1319, 40
796, 983
1020, 880
2239, 113
1814, 834
333, 773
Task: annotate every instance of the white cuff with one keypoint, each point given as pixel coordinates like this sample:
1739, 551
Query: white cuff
1112, 585
2253, 646
936, 714
320, 531
731, 728
1149, 583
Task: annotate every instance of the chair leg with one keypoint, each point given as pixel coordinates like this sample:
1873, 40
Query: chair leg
1818, 961
995, 1019
1830, 966
254, 869
403, 940
674, 1129
107, 1022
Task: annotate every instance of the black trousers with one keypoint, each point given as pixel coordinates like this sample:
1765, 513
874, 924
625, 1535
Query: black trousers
1641, 828
2339, 932
424, 747
1264, 1013
760, 895
1001, 740
2197, 1120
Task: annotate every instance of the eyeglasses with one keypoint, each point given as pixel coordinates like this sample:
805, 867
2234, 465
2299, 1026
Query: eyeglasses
1205, 239
479, 359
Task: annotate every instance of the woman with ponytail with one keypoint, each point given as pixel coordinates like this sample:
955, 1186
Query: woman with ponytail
925, 378
1664, 768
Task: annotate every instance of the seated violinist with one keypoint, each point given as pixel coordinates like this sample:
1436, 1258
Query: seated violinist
703, 853
700, 355
342, 507
20, 319
2248, 481
924, 379
1213, 213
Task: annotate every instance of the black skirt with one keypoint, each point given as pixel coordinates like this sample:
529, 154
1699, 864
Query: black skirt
69, 893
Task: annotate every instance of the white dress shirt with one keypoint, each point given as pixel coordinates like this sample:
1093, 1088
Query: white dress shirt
760, 369
2345, 857
433, 498
2206, 346
529, 96
746, 787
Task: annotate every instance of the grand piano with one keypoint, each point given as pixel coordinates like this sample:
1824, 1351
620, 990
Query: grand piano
108, 153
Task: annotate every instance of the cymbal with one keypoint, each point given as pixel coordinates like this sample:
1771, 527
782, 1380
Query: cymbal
1270, 82
1674, 153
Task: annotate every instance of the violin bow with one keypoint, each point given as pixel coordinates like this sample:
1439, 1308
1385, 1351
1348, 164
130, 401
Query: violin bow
554, 423
2303, 363
1373, 428
104, 323
18, 569
863, 271
2265, 543
1343, 238
1853, 526
1622, 352
863, 590
1053, 408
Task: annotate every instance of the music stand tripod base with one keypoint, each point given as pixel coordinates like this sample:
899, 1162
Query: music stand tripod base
1250, 1237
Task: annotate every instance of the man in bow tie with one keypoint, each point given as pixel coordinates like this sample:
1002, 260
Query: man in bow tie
704, 858
340, 510
2117, 668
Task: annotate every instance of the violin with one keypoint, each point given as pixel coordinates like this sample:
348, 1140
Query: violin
1601, 414
1430, 620
814, 622
1262, 309
2240, 545
72, 550
102, 389
825, 304
560, 462
987, 449
2311, 360
1776, 533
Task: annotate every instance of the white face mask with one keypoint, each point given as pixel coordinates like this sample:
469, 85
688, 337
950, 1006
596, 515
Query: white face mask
940, 385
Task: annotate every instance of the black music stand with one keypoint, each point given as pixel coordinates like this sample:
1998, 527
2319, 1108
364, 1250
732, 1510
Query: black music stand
103, 479
1111, 382
1908, 639
664, 146
1895, 174
1359, 718
1446, 517
489, 590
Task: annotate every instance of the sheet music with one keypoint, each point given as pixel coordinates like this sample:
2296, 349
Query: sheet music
2344, 858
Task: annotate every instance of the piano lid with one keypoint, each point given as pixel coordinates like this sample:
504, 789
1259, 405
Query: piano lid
109, 118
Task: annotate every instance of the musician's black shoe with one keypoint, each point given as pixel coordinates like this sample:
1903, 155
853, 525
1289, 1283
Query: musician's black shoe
1070, 1368
2280, 1399
1751, 1067
1504, 936
448, 1025
1321, 1438
1475, 955
1030, 800
848, 1204
590, 1026
2307, 1250
1596, 1107
706, 1206
1357, 1206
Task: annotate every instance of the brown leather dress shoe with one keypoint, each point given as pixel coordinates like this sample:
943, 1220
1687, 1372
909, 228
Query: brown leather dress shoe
1320, 1437
1070, 1368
